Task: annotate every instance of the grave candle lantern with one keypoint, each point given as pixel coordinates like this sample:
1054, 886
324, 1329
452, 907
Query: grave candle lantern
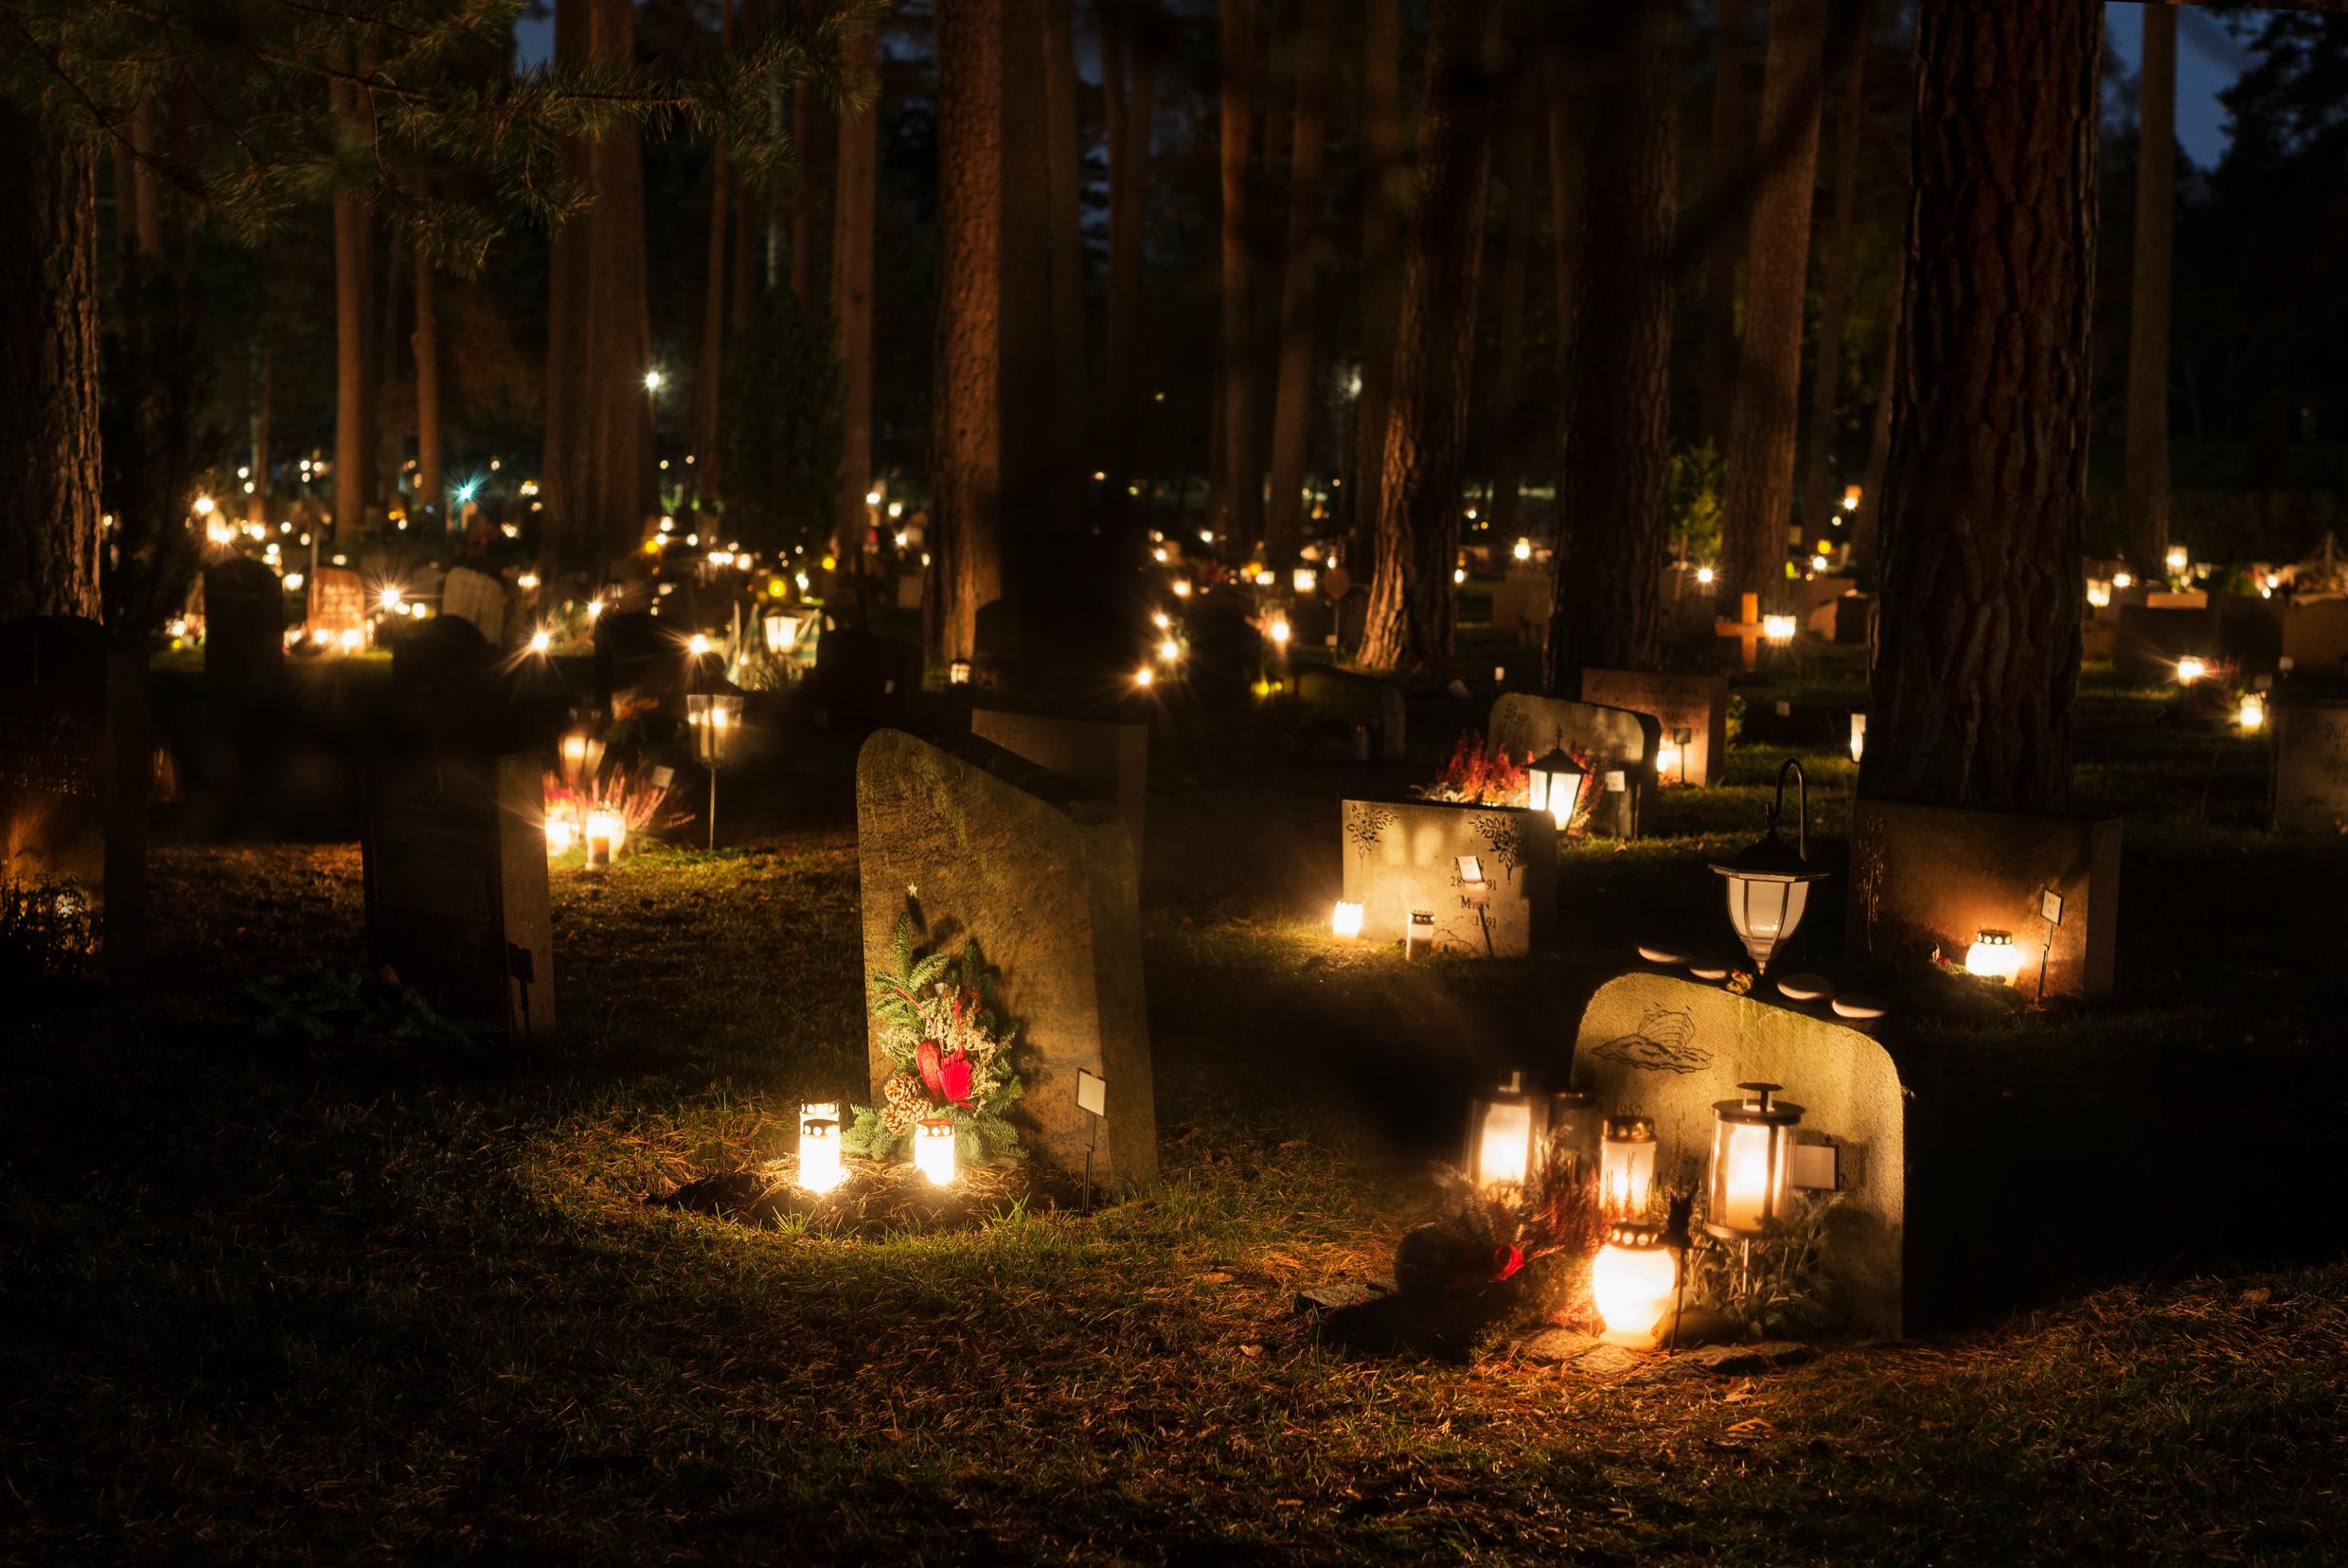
1555, 782
1632, 1281
1751, 1161
562, 832
716, 717
582, 757
2190, 669
1769, 885
1346, 921
1418, 932
607, 832
1575, 1127
1505, 1130
2252, 714
1626, 1165
1859, 735
781, 633
2098, 593
1994, 957
958, 673
933, 1150
2179, 560
1305, 580
1779, 630
819, 1146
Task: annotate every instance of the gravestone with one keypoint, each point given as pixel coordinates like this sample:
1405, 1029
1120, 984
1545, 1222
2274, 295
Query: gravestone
441, 657
1927, 876
476, 599
2152, 638
1696, 704
243, 620
1486, 874
1618, 744
1346, 701
2311, 764
863, 679
75, 758
1667, 1049
452, 847
2249, 631
338, 605
977, 843
2315, 636
1520, 605
1106, 762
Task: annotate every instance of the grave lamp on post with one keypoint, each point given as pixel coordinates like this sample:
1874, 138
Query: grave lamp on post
1557, 785
1768, 884
1752, 1163
716, 717
781, 630
1506, 1131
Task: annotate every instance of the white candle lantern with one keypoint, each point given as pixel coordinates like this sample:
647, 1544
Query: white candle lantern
1556, 784
2098, 593
1305, 580
1522, 549
2252, 714
562, 832
1752, 1163
1506, 1131
1779, 630
781, 633
2190, 669
716, 717
1627, 1167
1575, 1127
1859, 735
1632, 1281
1769, 885
933, 1150
820, 1169
1346, 921
1667, 758
958, 673
1418, 932
583, 758
2179, 560
1994, 957
607, 834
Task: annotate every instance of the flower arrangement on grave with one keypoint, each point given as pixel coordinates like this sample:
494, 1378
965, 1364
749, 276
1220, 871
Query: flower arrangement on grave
941, 1026
1535, 1237
629, 792
1474, 775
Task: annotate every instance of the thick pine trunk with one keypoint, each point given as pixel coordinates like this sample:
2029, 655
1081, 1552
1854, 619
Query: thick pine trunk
1834, 299
564, 534
619, 337
749, 221
1292, 399
1381, 252
1607, 609
966, 567
1508, 378
1568, 142
707, 375
1977, 647
1765, 413
1412, 605
354, 384
1240, 513
1029, 460
431, 509
854, 209
1866, 537
2145, 492
48, 405
1064, 135
1724, 175
805, 120
1130, 89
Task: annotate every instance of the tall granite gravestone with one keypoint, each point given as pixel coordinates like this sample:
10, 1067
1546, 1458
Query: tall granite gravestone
977, 843
243, 620
478, 599
1696, 704
863, 679
441, 657
1668, 1049
2152, 638
76, 757
1924, 877
1485, 876
2311, 764
1107, 762
1342, 700
452, 846
1618, 744
338, 604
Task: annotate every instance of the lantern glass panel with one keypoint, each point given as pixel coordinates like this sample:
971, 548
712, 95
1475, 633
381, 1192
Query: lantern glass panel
1632, 1281
1504, 1134
1575, 1127
1752, 1163
1626, 1165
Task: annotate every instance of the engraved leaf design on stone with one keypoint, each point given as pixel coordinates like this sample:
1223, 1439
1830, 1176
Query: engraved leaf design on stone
1661, 1043
1366, 824
1499, 834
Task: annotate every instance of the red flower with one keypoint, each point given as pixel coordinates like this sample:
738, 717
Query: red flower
930, 1059
1506, 1261
953, 1077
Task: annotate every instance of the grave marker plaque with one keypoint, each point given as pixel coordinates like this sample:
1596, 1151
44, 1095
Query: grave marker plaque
978, 843
2311, 764
478, 599
338, 604
1614, 741
1698, 703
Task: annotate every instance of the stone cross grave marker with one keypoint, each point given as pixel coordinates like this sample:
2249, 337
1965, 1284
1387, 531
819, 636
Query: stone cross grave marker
475, 597
243, 620
1747, 629
978, 843
1106, 762
2311, 764
1620, 745
1696, 704
1484, 876
1667, 1049
454, 849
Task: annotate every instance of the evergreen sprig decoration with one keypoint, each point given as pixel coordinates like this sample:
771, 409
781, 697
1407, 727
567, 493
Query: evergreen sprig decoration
279, 103
942, 1026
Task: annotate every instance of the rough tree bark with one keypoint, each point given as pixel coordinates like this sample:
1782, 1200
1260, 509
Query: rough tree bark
1128, 85
707, 373
426, 344
564, 484
749, 221
1724, 177
1568, 131
354, 387
1607, 609
854, 207
1028, 455
1412, 605
1834, 301
48, 405
2146, 490
1382, 251
1977, 647
1866, 537
1516, 264
1292, 399
965, 564
1240, 510
1765, 413
1063, 138
620, 334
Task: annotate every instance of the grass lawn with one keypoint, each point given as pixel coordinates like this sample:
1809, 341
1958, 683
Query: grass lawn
263, 1302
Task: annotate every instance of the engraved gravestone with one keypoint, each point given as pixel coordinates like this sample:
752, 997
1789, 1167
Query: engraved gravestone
1617, 744
976, 843
338, 607
478, 599
243, 620
2311, 764
1484, 876
1696, 704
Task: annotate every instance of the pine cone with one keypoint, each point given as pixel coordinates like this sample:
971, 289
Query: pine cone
905, 1103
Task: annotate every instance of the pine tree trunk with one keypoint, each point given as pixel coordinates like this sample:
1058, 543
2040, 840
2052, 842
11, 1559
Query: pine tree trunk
1130, 94
1725, 174
1240, 512
619, 339
390, 308
1826, 374
749, 221
1977, 656
1568, 171
1606, 609
432, 509
805, 116
1063, 136
2145, 492
1028, 455
146, 187
49, 403
1516, 265
965, 568
1412, 605
1866, 537
565, 532
709, 374
1381, 255
1766, 411
1292, 399
354, 386
854, 209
